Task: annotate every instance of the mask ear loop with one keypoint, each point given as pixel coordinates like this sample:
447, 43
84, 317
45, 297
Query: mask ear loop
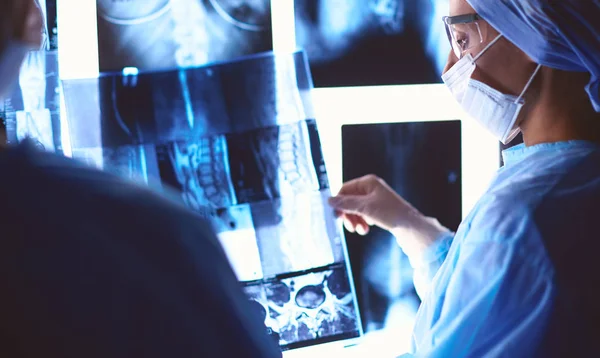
537, 69
486, 48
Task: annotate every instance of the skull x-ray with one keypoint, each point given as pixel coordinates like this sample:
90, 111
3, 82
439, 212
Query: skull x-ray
422, 162
373, 42
237, 143
166, 34
33, 109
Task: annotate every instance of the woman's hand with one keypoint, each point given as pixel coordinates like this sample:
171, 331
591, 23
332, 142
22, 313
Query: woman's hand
369, 201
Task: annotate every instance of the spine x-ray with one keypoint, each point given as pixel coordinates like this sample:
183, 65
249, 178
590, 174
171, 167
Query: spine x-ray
166, 34
237, 142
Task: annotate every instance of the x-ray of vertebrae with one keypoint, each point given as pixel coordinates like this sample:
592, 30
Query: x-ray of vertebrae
236, 142
202, 170
133, 107
311, 306
33, 109
165, 34
275, 189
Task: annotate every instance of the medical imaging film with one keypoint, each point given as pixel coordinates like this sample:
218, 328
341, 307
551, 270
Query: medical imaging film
276, 178
133, 107
166, 34
236, 143
51, 24
32, 109
373, 42
199, 170
422, 162
133, 162
314, 306
271, 162
296, 233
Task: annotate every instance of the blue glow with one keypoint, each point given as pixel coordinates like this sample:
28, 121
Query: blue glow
131, 71
186, 97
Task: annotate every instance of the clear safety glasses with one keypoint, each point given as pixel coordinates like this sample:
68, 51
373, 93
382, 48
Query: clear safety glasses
464, 32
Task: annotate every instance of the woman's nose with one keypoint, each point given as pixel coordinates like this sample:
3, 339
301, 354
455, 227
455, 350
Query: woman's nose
450, 62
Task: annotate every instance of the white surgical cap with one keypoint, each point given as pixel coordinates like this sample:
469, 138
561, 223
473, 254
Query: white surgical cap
561, 34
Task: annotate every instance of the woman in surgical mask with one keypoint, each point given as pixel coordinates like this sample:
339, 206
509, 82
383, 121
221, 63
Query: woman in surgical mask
518, 278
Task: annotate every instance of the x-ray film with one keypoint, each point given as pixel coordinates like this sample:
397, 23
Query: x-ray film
313, 306
272, 162
294, 233
199, 170
32, 110
237, 235
166, 34
422, 162
373, 42
133, 107
49, 7
235, 142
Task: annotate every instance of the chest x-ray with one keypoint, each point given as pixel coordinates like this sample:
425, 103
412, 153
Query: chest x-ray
33, 109
373, 42
422, 162
165, 34
237, 142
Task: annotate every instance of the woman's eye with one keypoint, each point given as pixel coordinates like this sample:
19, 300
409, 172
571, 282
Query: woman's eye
463, 42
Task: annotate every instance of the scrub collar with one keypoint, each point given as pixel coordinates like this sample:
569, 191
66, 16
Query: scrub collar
520, 152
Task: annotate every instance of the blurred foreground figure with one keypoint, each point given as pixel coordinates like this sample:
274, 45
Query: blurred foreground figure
92, 266
519, 277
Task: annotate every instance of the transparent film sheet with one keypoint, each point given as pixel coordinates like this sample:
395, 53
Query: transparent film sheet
237, 143
33, 108
134, 107
159, 34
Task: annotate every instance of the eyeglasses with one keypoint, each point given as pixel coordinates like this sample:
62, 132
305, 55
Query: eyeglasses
464, 32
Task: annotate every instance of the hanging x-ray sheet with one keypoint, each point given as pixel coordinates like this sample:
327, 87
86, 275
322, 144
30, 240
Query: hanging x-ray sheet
33, 108
166, 34
51, 23
236, 141
422, 162
373, 42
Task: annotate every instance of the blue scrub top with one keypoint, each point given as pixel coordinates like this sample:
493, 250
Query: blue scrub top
520, 278
92, 266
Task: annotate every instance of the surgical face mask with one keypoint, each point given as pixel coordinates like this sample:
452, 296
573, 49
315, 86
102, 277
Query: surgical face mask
11, 60
496, 111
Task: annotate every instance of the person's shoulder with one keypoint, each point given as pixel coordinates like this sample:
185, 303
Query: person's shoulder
538, 193
502, 215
